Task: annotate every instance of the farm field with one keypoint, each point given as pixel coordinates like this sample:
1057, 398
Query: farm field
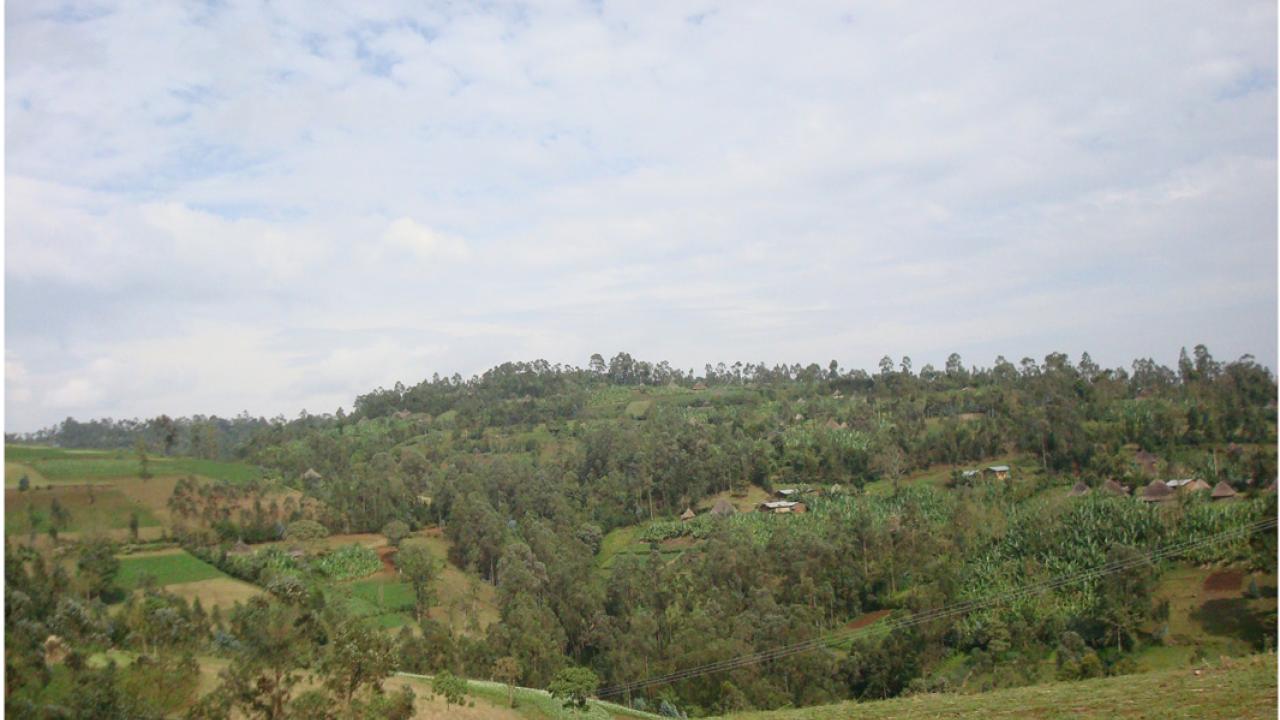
168, 567
1209, 610
491, 697
464, 602
1233, 688
186, 576
91, 508
46, 465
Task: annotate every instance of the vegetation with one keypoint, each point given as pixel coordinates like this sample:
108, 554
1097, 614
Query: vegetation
1233, 689
557, 492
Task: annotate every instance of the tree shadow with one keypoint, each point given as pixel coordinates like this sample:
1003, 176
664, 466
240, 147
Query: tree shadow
1232, 617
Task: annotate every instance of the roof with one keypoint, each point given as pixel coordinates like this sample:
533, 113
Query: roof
779, 504
687, 514
1157, 491
311, 474
1114, 488
999, 468
723, 507
787, 492
1222, 491
1080, 489
699, 386
969, 473
1196, 486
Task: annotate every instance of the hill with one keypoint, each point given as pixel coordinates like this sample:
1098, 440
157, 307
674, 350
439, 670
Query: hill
1241, 688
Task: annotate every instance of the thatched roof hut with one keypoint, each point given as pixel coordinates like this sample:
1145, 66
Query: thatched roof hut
311, 474
1223, 491
723, 508
687, 515
1080, 489
1111, 487
699, 386
240, 548
1196, 485
1157, 491
1147, 462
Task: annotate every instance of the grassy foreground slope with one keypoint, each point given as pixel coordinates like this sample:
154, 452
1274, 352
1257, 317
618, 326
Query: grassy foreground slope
1240, 688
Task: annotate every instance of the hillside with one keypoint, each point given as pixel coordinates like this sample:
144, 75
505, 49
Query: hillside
1242, 688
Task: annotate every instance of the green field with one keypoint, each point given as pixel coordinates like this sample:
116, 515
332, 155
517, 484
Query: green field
1241, 688
91, 509
531, 703
168, 569
56, 465
386, 602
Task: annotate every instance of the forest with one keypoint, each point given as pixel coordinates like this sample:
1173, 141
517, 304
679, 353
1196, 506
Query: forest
562, 488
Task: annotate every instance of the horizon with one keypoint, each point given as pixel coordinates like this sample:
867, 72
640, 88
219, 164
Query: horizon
697, 369
274, 208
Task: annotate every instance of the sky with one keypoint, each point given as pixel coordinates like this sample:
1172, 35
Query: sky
276, 206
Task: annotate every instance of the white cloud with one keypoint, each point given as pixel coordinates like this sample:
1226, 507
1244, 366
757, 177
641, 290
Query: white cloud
439, 190
425, 243
75, 393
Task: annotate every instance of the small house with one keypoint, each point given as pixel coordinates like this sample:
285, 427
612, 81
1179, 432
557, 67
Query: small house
1111, 487
780, 507
1079, 489
723, 508
239, 549
1157, 491
687, 515
311, 475
787, 493
1177, 484
1223, 491
1195, 486
699, 387
1146, 462
1001, 472
970, 474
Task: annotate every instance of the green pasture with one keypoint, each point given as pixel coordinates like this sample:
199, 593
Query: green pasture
167, 569
90, 509
56, 465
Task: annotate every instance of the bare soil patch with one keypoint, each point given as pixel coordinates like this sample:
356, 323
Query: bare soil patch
222, 592
866, 619
1224, 581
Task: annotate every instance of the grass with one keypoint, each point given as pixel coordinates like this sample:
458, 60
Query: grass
614, 542
1243, 688
167, 567
1219, 621
222, 592
91, 508
47, 465
531, 703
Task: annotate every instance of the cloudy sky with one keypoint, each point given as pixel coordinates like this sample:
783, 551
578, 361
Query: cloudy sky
271, 206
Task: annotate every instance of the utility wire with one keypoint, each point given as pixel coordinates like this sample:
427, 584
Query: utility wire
937, 613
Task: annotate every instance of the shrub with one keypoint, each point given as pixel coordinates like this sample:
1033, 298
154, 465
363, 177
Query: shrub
395, 531
305, 531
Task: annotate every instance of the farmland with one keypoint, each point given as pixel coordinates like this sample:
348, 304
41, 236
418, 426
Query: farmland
165, 567
46, 465
551, 507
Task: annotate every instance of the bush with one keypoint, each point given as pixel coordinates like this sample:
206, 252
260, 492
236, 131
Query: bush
452, 688
347, 562
395, 531
573, 685
305, 531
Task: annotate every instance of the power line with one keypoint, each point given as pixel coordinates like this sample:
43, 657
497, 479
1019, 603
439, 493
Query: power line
937, 613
